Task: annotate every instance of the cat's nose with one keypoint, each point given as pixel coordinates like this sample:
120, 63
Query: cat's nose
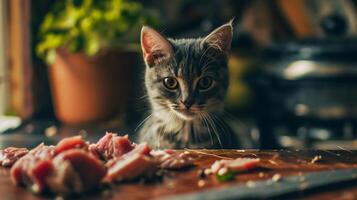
187, 103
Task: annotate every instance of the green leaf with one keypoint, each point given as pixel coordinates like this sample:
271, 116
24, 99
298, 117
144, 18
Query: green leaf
227, 176
88, 25
51, 56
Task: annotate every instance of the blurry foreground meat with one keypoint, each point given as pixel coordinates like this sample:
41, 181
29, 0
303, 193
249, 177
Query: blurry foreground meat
131, 165
32, 169
111, 146
10, 155
75, 166
60, 169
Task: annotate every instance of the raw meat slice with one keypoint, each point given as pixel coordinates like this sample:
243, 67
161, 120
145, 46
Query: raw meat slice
74, 166
31, 169
38, 174
75, 171
111, 146
131, 165
71, 171
169, 159
103, 148
121, 145
64, 179
75, 142
10, 155
142, 148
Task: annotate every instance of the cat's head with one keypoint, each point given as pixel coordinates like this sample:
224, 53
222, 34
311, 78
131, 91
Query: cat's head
187, 77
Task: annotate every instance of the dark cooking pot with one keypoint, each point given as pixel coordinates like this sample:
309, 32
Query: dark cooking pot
306, 85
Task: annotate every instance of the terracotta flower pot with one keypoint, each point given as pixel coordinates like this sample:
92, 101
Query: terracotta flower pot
91, 89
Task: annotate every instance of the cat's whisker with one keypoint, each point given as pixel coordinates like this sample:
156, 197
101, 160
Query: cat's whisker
143, 108
235, 119
163, 130
194, 134
143, 97
197, 132
208, 129
222, 125
142, 122
214, 129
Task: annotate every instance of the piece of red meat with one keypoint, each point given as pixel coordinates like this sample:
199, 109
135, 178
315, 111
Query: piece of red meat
111, 146
93, 150
10, 155
61, 169
142, 149
75, 171
121, 145
73, 166
75, 142
131, 165
169, 159
38, 174
238, 164
31, 169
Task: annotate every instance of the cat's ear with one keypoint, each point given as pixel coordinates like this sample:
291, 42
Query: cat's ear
220, 38
155, 47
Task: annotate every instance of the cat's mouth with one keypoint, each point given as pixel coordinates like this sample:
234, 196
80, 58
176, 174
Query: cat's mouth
186, 114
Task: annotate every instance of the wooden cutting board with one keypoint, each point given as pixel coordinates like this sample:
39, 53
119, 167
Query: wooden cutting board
187, 181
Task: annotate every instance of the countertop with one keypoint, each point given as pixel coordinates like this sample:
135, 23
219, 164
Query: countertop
282, 162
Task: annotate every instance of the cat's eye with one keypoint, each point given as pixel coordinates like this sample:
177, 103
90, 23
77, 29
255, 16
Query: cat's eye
205, 82
170, 83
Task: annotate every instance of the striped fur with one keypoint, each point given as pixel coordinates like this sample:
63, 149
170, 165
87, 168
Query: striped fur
187, 60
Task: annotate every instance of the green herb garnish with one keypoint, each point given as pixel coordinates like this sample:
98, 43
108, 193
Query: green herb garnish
227, 176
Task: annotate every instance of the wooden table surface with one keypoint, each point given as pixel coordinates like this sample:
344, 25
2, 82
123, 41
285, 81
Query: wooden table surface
283, 162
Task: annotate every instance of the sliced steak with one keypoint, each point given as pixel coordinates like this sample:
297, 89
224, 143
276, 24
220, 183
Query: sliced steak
32, 169
142, 148
62, 169
131, 165
10, 155
75, 142
74, 166
75, 171
111, 146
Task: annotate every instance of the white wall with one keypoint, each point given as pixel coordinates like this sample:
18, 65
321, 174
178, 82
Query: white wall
3, 59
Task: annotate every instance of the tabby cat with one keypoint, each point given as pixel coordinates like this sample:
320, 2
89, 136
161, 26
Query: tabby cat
186, 82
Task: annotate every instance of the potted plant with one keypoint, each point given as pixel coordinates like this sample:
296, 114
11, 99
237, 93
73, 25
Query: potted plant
89, 67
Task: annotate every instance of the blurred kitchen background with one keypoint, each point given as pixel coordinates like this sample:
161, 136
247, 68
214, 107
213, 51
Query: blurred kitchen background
75, 66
